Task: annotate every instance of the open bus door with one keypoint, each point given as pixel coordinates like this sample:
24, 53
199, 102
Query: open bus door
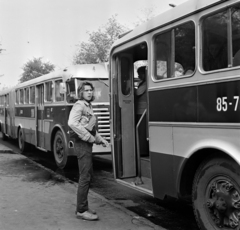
127, 157
40, 116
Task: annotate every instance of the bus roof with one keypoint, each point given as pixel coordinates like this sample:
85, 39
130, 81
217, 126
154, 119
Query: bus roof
85, 71
90, 71
167, 17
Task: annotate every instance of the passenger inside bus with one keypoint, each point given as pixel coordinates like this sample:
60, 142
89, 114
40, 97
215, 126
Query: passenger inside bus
216, 55
140, 93
140, 107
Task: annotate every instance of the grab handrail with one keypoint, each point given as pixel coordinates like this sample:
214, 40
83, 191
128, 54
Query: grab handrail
139, 179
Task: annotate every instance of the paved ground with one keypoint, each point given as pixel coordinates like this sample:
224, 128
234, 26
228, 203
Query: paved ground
32, 197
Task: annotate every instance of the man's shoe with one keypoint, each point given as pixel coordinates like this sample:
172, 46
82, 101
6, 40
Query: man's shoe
86, 216
92, 211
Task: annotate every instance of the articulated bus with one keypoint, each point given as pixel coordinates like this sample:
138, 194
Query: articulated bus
186, 144
36, 111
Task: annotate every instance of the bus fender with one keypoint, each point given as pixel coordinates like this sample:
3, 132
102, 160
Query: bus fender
196, 156
229, 148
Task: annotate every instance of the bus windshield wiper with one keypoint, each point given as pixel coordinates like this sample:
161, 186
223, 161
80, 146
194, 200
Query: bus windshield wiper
103, 82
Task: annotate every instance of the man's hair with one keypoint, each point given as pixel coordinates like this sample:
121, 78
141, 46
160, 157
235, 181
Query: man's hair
81, 89
141, 69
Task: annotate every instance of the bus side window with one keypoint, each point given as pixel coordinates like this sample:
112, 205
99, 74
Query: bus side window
71, 91
175, 52
17, 96
49, 91
21, 96
58, 96
184, 43
7, 99
26, 96
235, 35
215, 54
162, 56
32, 95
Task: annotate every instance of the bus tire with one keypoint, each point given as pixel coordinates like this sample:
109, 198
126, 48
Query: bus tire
59, 150
216, 194
4, 137
22, 145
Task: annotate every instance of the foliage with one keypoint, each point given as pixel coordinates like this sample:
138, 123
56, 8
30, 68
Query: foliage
97, 48
1, 49
35, 68
146, 15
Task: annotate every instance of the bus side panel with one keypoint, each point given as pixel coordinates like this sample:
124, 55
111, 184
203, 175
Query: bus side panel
54, 115
213, 102
168, 106
162, 161
25, 118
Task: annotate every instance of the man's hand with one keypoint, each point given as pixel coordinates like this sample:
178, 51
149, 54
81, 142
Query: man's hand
105, 143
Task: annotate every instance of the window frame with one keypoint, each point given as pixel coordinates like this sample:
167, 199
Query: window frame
229, 41
21, 97
46, 91
55, 90
25, 95
30, 95
171, 30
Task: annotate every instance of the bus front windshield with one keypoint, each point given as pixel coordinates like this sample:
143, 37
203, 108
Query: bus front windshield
101, 89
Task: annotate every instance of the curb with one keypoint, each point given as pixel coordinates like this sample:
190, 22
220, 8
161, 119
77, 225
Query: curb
6, 151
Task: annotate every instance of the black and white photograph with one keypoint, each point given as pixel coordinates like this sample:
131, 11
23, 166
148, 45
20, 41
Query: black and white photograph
120, 115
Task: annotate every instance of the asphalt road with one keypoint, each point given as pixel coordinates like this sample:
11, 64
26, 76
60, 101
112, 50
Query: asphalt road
169, 214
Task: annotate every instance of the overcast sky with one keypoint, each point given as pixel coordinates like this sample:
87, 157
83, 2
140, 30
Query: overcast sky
52, 28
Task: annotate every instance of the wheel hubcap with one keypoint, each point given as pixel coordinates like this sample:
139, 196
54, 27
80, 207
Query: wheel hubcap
223, 203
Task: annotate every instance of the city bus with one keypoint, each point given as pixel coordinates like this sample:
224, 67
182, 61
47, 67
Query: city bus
186, 144
36, 112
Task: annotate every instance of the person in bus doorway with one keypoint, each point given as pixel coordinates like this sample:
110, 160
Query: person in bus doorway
83, 122
140, 92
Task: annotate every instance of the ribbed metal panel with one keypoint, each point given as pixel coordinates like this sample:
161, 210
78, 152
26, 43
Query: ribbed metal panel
103, 115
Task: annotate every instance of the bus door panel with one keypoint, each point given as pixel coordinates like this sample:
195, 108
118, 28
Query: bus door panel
40, 116
126, 104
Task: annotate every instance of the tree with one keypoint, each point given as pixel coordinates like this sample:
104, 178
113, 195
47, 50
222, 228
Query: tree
146, 15
35, 68
98, 46
1, 49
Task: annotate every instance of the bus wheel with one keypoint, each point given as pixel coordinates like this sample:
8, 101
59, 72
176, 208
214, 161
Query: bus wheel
21, 142
216, 194
59, 150
4, 137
